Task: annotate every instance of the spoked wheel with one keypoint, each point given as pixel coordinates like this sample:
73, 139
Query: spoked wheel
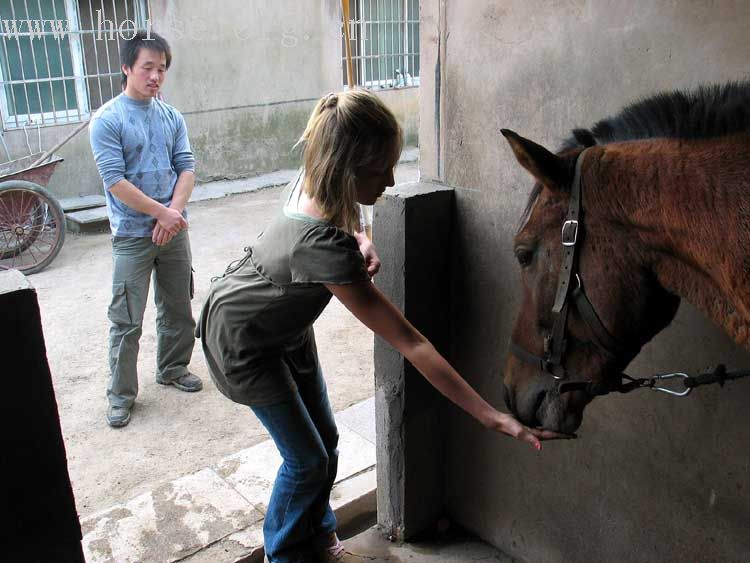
32, 226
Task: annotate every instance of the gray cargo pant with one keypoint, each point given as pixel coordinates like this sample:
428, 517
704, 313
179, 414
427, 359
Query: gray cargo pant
134, 259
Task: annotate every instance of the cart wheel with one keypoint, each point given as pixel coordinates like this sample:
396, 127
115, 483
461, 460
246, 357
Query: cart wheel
32, 226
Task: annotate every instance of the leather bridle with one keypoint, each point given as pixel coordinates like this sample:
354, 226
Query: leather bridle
570, 291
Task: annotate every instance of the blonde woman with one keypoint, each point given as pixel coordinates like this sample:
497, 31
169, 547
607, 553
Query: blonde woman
256, 325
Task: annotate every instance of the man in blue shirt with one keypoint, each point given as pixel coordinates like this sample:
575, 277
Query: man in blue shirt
141, 149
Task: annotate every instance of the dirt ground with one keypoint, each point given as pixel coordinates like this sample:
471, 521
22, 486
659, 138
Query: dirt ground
171, 433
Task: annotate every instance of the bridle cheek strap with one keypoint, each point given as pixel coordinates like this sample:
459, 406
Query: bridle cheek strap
554, 346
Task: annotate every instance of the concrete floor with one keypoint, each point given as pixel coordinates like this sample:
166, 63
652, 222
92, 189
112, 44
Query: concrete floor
217, 514
171, 434
373, 546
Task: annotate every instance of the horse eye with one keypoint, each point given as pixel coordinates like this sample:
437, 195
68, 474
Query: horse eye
524, 256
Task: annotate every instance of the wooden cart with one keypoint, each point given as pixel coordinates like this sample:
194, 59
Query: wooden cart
32, 222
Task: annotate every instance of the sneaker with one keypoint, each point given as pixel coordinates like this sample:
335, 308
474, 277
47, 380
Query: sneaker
188, 382
336, 553
117, 417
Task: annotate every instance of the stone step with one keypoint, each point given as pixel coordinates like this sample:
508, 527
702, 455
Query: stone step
93, 220
82, 202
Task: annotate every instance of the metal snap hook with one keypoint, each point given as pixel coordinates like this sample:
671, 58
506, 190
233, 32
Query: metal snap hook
657, 378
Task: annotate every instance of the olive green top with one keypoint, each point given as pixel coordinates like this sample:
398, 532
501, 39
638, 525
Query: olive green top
264, 305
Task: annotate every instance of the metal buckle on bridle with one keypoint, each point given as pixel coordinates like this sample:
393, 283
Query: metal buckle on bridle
547, 363
569, 232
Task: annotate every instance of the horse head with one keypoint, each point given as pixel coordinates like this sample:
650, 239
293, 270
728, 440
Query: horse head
611, 271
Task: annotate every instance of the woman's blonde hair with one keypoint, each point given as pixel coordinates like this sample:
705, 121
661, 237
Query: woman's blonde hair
347, 132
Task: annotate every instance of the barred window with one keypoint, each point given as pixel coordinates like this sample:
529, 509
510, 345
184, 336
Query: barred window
60, 59
384, 38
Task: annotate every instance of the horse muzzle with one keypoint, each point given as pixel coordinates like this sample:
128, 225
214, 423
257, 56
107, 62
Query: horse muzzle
536, 402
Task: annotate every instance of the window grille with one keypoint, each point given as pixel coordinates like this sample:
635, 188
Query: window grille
60, 59
384, 38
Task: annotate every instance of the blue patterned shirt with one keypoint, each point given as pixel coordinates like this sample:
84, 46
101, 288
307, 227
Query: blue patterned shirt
146, 143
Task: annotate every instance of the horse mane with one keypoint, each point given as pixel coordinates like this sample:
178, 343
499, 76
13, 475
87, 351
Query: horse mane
704, 112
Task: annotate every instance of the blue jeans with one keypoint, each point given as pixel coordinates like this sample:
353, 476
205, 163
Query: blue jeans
299, 516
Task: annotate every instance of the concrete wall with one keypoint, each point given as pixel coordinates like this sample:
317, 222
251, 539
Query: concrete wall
246, 75
651, 478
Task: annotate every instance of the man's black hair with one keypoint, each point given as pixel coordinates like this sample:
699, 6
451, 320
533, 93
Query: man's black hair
129, 49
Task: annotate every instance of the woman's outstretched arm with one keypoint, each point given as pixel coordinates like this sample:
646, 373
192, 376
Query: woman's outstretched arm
371, 307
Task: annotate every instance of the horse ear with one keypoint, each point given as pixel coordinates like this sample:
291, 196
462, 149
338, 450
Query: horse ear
545, 166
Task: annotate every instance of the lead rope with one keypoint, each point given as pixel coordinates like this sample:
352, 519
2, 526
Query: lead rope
719, 375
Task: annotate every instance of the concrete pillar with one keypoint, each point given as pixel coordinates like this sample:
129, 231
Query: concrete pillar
37, 509
412, 232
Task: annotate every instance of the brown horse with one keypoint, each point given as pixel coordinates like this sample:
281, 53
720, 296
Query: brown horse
664, 214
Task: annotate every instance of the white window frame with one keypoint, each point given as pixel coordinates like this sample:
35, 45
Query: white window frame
360, 60
82, 110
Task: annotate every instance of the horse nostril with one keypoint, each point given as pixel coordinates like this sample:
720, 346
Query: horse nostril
534, 418
508, 397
